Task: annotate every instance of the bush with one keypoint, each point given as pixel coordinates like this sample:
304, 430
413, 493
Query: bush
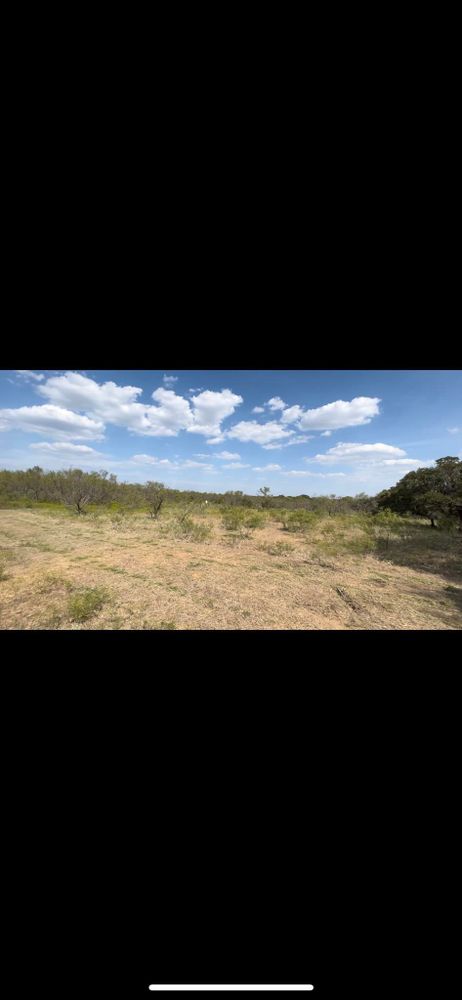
186, 528
254, 520
244, 521
86, 603
232, 518
298, 520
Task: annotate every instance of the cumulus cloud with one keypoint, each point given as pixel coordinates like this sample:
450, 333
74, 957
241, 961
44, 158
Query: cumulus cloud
340, 414
326, 434
55, 420
236, 465
211, 408
79, 392
267, 468
250, 430
28, 376
354, 452
291, 415
230, 455
119, 405
169, 379
276, 403
258, 409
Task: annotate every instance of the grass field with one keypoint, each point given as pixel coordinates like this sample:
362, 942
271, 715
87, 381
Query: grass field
103, 571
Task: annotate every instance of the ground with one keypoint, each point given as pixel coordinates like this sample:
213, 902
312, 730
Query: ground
59, 571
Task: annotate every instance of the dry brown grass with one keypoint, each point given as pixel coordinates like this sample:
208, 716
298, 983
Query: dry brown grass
155, 580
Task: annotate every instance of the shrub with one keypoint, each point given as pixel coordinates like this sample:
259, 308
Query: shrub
185, 527
298, 520
244, 521
232, 518
86, 603
254, 520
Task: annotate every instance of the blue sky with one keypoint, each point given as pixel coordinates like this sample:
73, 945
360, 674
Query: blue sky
300, 431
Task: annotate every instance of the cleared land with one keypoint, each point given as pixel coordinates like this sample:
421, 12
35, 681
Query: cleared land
59, 571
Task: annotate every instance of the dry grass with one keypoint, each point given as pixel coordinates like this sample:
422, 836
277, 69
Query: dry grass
145, 576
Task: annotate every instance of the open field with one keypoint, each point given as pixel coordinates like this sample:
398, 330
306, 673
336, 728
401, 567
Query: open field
59, 571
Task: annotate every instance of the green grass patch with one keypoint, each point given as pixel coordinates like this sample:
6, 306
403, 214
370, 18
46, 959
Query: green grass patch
86, 603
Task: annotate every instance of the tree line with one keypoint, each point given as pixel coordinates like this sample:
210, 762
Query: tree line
433, 493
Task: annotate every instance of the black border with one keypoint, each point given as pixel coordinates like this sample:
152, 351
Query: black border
103, 696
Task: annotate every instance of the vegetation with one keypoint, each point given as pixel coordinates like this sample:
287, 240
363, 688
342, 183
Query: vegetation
86, 603
155, 497
434, 493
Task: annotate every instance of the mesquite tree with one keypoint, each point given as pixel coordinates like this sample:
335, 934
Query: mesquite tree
155, 496
77, 489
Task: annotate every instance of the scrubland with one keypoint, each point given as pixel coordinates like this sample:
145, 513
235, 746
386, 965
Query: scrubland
219, 570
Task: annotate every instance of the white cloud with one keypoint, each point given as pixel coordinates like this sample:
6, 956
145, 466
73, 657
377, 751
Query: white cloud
411, 462
66, 449
291, 415
230, 455
236, 465
258, 409
28, 376
267, 468
169, 379
454, 430
318, 475
166, 463
276, 403
119, 405
300, 439
250, 430
211, 408
55, 420
326, 434
78, 392
340, 414
354, 452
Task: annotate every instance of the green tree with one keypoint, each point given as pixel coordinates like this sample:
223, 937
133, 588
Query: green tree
265, 493
429, 493
77, 489
155, 496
